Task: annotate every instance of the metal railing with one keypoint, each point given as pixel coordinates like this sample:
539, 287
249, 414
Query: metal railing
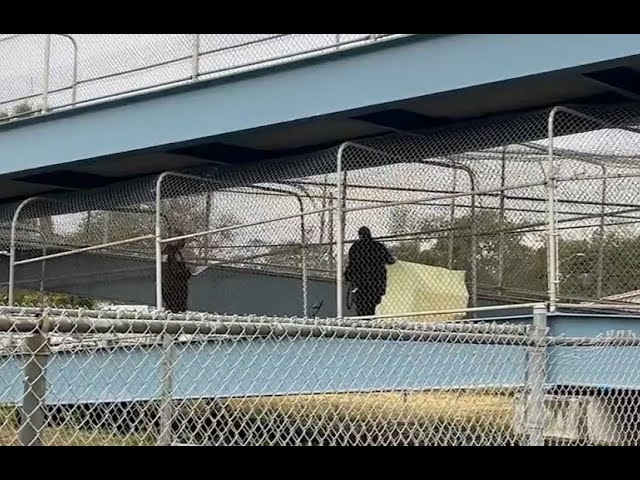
93, 71
255, 381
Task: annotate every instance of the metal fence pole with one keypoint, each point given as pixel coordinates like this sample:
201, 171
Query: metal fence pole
166, 408
536, 377
33, 416
45, 77
195, 56
339, 232
474, 249
74, 86
74, 72
158, 243
303, 259
552, 230
166, 370
601, 237
12, 247
501, 242
452, 220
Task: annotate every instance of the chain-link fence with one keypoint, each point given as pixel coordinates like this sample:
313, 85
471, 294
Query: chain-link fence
422, 230
82, 377
489, 213
596, 218
41, 72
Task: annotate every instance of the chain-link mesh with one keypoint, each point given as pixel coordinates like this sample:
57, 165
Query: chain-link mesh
83, 377
457, 210
224, 54
80, 249
499, 212
90, 67
597, 204
453, 218
22, 63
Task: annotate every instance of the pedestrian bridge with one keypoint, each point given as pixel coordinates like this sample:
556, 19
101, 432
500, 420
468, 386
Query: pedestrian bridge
108, 112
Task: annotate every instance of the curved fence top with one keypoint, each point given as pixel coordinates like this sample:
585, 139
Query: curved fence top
42, 72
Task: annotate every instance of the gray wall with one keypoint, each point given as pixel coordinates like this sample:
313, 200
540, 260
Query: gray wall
218, 290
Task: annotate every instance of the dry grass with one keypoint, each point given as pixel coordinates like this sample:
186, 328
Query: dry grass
67, 435
72, 437
443, 413
493, 409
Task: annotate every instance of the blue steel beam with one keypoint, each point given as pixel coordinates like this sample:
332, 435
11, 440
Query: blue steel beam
270, 367
393, 71
238, 368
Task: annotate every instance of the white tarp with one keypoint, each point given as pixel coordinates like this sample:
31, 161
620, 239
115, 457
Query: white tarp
413, 287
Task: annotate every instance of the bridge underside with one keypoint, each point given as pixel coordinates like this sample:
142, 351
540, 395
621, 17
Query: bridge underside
423, 82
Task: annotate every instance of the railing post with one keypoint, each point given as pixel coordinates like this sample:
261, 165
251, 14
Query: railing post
167, 361
535, 415
45, 76
340, 231
166, 408
195, 56
74, 86
552, 227
303, 260
33, 416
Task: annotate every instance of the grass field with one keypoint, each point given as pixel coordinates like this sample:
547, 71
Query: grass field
469, 408
332, 419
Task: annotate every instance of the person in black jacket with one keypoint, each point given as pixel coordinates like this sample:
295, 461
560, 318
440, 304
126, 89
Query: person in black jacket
367, 272
175, 278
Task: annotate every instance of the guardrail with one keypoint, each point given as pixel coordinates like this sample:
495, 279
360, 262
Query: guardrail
77, 69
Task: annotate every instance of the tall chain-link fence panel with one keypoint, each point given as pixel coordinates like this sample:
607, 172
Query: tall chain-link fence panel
255, 240
82, 377
597, 203
399, 225
70, 69
83, 248
224, 54
23, 66
449, 215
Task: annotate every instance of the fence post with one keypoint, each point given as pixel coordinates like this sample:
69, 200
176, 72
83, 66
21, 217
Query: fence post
195, 56
35, 385
168, 348
339, 213
45, 77
552, 227
166, 411
536, 377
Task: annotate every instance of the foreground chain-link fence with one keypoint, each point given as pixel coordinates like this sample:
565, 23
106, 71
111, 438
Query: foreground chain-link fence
99, 378
41, 72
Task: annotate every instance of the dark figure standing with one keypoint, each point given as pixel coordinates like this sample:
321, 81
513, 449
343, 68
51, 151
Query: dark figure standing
367, 272
175, 278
